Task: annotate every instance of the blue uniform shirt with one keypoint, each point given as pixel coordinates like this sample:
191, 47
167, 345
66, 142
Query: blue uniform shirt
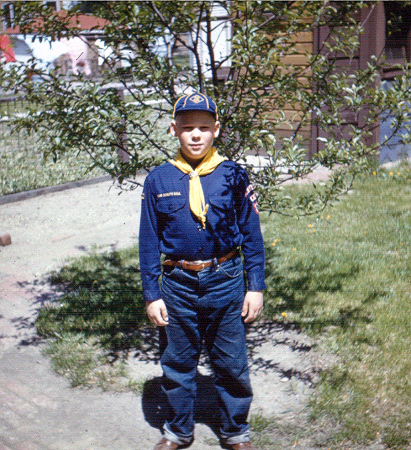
168, 227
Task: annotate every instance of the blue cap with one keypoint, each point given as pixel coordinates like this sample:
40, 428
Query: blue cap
195, 102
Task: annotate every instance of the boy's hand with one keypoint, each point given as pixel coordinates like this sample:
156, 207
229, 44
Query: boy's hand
157, 312
252, 306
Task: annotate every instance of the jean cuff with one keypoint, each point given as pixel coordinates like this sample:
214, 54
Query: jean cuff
180, 440
237, 439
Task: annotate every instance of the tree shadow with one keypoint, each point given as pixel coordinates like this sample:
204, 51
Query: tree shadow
287, 335
154, 403
99, 296
301, 282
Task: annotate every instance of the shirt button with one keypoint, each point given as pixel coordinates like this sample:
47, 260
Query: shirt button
170, 207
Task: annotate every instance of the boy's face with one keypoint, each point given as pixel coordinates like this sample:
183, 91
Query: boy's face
196, 131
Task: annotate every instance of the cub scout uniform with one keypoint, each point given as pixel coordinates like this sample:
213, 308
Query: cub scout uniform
169, 227
198, 219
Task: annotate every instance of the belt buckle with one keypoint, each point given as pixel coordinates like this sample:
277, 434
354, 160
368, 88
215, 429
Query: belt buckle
200, 262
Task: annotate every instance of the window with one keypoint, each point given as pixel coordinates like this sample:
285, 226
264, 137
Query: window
8, 15
220, 35
397, 32
54, 5
84, 7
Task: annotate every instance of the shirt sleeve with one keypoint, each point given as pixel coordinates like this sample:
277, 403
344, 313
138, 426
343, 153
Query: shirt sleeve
249, 225
149, 249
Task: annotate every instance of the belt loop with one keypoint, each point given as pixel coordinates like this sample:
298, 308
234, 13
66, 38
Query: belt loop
215, 264
180, 263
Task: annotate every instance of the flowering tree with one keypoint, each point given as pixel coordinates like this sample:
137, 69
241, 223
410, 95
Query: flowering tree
270, 89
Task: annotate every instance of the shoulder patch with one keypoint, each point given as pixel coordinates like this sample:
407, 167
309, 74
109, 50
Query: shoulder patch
253, 198
249, 189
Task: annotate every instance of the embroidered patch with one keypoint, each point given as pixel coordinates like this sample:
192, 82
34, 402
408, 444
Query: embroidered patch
249, 189
196, 99
169, 194
253, 198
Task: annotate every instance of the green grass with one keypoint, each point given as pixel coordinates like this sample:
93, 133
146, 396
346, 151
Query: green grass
102, 300
23, 166
343, 276
75, 356
96, 321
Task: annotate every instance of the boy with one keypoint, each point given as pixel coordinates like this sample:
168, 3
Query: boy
197, 210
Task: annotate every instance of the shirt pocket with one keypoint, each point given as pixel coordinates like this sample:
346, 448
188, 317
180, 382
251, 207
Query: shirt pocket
222, 216
221, 204
170, 205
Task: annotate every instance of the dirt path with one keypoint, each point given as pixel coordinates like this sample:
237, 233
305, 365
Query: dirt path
41, 411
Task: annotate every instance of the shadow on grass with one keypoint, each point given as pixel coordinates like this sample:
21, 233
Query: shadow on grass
98, 296
295, 288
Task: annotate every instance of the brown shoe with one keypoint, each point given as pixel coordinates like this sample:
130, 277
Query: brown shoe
243, 446
165, 444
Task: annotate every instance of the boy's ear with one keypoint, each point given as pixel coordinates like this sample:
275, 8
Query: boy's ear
216, 129
173, 128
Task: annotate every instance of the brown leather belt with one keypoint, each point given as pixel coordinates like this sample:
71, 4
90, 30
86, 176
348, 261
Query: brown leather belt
197, 266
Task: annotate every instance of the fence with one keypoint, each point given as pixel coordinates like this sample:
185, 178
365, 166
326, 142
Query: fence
11, 106
10, 141
22, 163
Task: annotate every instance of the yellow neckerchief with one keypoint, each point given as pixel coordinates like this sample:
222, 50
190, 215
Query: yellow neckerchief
196, 197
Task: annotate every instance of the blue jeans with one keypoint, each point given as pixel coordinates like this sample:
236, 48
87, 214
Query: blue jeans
206, 306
